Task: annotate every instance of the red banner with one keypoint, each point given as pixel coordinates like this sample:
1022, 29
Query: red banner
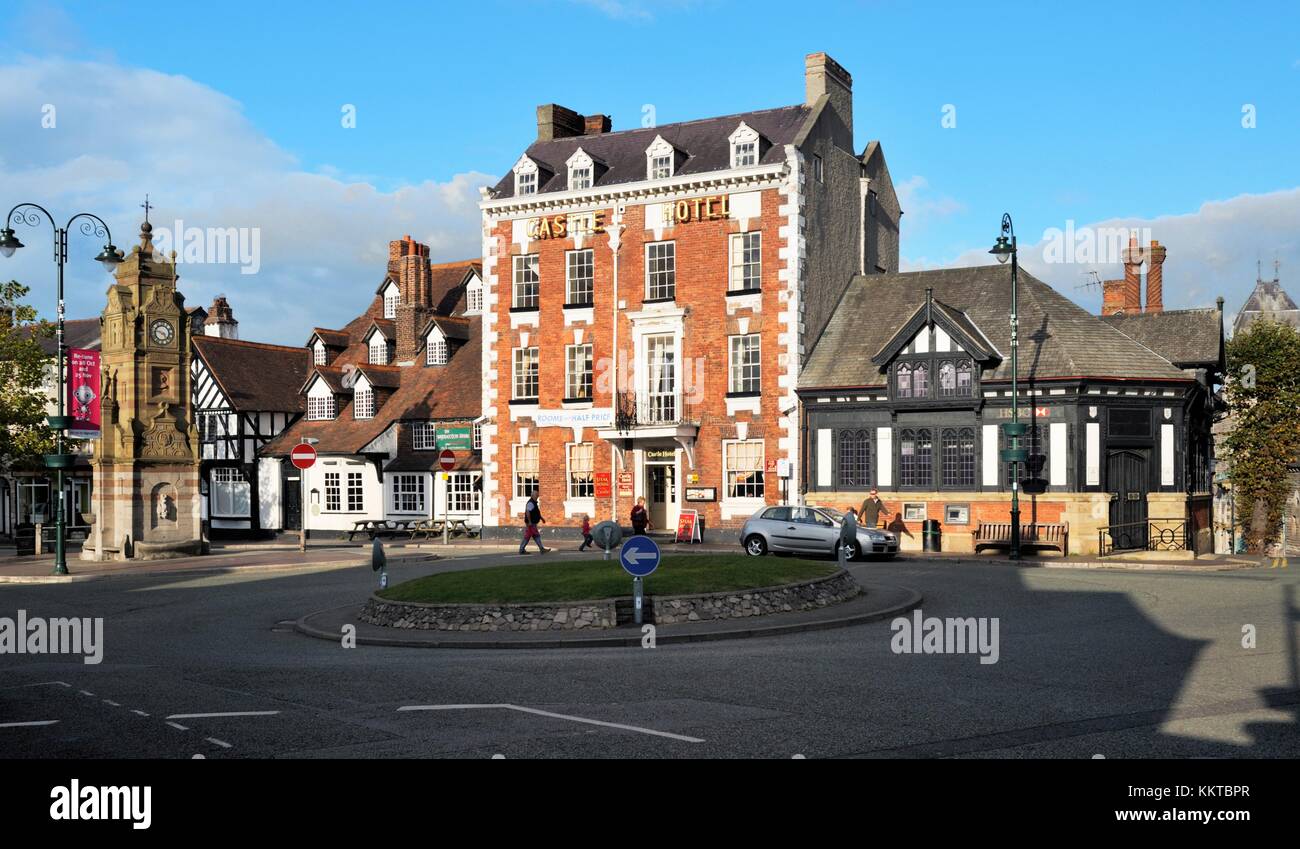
83, 393
603, 487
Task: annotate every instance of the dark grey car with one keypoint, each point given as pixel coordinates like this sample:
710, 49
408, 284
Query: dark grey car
809, 530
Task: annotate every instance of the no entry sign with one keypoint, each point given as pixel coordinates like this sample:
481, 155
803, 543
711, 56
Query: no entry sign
303, 456
447, 459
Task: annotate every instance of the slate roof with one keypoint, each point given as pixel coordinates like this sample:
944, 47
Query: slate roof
255, 376
1058, 338
703, 143
1187, 338
417, 392
1268, 300
77, 333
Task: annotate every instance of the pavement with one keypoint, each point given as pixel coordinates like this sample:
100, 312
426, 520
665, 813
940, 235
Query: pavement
1118, 663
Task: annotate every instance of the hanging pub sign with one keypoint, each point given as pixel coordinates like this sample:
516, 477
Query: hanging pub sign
83, 393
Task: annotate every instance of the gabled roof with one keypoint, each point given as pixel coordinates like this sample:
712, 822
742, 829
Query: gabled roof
1187, 338
452, 327
447, 285
702, 144
1058, 338
386, 326
77, 333
954, 322
331, 338
381, 377
1270, 301
254, 376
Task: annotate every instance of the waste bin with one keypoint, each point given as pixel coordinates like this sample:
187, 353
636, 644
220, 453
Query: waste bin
930, 535
25, 539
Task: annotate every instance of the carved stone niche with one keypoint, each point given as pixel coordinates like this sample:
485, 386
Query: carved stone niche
162, 382
163, 501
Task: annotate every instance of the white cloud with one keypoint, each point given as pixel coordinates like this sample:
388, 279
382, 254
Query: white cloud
122, 132
920, 207
1212, 252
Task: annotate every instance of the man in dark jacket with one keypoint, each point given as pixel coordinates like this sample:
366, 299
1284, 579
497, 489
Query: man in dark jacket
532, 518
872, 508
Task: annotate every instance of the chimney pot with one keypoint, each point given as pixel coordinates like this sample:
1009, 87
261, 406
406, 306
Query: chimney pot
594, 125
557, 122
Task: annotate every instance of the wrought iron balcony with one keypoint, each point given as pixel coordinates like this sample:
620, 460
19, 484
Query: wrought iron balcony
646, 409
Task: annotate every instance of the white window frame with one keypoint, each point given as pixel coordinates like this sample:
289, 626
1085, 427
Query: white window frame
727, 470
582, 260
738, 380
377, 349
660, 160
577, 488
408, 487
582, 171
580, 380
521, 359
356, 493
363, 403
392, 299
319, 355
744, 142
333, 492
461, 486
224, 484
474, 296
529, 479
746, 261
527, 178
321, 408
666, 267
423, 436
435, 348
524, 266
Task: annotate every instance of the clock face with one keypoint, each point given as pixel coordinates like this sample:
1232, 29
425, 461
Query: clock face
161, 332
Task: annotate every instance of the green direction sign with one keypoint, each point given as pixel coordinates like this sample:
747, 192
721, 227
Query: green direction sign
455, 438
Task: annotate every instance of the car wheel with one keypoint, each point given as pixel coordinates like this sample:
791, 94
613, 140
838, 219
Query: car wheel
755, 546
852, 551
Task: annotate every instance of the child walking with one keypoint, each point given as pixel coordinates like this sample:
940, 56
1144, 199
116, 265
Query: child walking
586, 532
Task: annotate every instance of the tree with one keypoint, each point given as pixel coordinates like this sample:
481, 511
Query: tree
1263, 389
25, 380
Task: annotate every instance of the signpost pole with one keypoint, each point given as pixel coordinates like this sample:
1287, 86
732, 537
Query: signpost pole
446, 507
636, 599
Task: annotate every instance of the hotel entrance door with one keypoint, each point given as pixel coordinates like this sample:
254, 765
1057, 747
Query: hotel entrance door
661, 499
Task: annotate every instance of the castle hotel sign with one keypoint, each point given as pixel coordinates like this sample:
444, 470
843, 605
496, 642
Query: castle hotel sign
713, 208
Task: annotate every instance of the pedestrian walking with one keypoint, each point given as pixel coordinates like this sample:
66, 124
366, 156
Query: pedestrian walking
848, 536
586, 533
871, 511
532, 518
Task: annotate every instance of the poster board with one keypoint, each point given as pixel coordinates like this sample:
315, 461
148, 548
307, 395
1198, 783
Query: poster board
688, 527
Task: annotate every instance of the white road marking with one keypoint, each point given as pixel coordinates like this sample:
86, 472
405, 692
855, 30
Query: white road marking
111, 702
87, 693
222, 743
178, 726
638, 729
138, 712
44, 684
27, 724
229, 713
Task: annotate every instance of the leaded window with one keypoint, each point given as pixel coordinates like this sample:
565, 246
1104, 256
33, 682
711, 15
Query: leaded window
855, 459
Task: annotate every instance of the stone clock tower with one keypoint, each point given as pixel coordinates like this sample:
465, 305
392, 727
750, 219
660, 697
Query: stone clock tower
146, 463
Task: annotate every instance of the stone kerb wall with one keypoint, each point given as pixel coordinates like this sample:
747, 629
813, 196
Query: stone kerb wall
580, 615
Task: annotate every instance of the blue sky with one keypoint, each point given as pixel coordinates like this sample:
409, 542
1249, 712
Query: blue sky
1063, 112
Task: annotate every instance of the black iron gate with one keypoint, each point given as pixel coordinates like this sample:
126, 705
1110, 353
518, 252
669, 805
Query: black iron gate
1126, 478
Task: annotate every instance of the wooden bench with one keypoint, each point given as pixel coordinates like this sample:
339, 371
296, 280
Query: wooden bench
1032, 535
379, 527
430, 528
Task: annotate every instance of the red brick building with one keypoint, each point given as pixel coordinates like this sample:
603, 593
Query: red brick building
649, 296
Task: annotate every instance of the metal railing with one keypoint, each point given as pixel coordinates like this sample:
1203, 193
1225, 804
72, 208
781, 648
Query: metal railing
1151, 535
634, 409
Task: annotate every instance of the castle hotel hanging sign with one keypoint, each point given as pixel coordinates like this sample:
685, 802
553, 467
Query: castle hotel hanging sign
714, 208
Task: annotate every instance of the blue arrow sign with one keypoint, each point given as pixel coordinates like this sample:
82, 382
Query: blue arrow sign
639, 556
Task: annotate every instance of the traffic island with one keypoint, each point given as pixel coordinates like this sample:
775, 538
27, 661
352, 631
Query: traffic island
559, 604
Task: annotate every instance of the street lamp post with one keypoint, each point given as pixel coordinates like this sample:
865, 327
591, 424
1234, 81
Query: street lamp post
1005, 249
91, 225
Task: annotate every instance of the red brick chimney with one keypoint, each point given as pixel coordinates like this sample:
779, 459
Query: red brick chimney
1112, 297
1133, 256
1155, 277
408, 265
597, 124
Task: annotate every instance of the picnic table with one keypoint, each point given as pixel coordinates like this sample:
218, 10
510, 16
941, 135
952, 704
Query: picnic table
433, 527
380, 527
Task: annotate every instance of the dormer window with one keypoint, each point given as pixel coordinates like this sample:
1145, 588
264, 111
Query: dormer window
363, 402
660, 160
378, 349
744, 146
320, 407
582, 170
474, 296
525, 177
392, 299
435, 348
318, 353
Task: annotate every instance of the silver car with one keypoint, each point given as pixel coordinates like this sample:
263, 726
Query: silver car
809, 530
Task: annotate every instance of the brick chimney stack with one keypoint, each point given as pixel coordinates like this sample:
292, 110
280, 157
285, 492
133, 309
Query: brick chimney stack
597, 124
408, 265
1112, 297
221, 320
1155, 277
824, 76
1133, 256
556, 122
